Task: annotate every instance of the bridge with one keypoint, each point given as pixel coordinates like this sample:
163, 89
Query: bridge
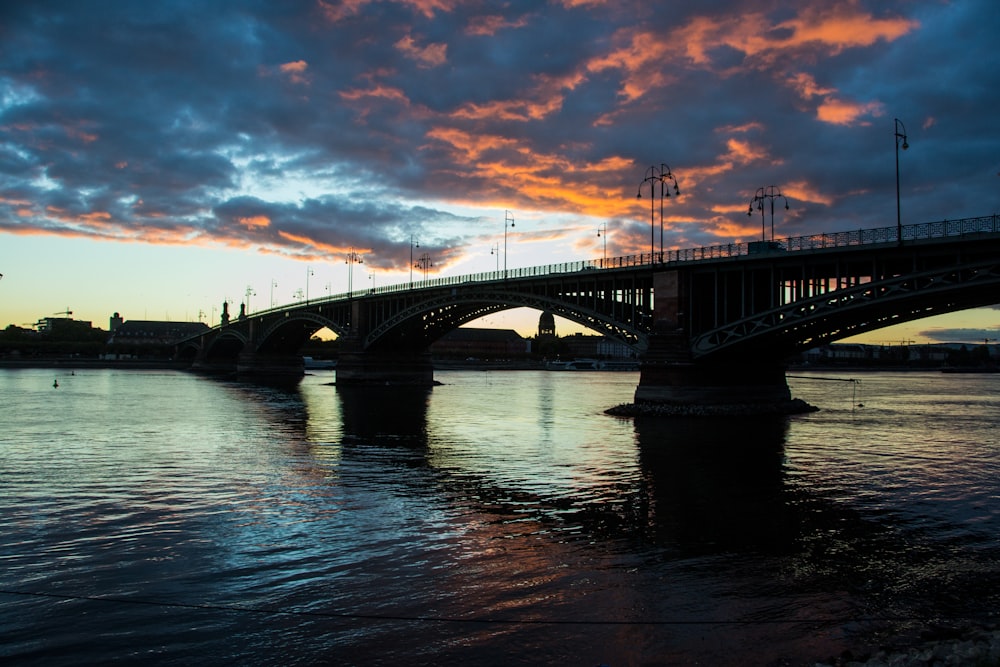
712, 325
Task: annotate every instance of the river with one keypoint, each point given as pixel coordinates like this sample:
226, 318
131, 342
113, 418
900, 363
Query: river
501, 518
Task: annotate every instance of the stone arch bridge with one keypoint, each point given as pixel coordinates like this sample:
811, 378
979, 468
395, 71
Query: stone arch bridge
712, 324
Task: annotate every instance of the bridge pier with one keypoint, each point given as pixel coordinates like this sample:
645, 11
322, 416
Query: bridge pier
280, 368
671, 382
358, 367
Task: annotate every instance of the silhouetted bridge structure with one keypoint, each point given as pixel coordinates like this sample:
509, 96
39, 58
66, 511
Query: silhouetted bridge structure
712, 324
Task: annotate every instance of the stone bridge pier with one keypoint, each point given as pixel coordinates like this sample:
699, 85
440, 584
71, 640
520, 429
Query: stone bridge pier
390, 363
671, 380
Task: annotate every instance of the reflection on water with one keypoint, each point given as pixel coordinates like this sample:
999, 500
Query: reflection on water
498, 517
715, 484
385, 414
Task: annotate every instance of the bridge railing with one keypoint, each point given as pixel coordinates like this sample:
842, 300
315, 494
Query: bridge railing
926, 230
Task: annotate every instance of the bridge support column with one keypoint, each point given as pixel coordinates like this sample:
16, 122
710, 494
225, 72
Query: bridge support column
358, 367
279, 368
671, 383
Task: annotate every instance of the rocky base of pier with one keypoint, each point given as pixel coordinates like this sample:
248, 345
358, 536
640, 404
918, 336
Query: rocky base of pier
793, 406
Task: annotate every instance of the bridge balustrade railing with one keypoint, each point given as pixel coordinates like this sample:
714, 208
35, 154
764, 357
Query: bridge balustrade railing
926, 230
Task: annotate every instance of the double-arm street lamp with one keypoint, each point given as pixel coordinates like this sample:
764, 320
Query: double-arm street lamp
899, 135
771, 192
309, 272
353, 258
663, 176
424, 263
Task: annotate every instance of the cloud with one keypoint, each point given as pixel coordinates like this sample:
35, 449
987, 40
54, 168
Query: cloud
336, 122
960, 335
432, 55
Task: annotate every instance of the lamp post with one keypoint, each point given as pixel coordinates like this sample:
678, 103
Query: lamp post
899, 135
424, 263
309, 272
495, 250
249, 293
412, 246
508, 217
274, 283
603, 227
353, 258
663, 176
771, 192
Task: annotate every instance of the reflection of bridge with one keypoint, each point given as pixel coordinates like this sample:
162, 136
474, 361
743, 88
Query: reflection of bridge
712, 324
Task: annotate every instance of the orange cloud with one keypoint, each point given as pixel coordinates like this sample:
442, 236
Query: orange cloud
841, 112
296, 71
542, 100
641, 59
805, 85
338, 11
489, 25
803, 191
828, 30
431, 55
342, 9
380, 91
255, 221
468, 145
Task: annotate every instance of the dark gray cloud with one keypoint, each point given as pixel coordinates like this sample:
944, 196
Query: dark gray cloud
971, 336
354, 128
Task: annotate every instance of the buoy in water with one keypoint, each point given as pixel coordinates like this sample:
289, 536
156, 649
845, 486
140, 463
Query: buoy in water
55, 383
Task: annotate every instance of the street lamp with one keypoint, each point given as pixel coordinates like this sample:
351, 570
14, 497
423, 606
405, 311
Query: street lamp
274, 283
661, 175
352, 258
309, 272
603, 227
899, 135
249, 293
771, 192
424, 263
495, 250
412, 246
507, 217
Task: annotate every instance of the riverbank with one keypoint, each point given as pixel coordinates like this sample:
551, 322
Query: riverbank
77, 363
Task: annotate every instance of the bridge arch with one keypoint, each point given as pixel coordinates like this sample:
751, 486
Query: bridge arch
427, 320
287, 334
847, 312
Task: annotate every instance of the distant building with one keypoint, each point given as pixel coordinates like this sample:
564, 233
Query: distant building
150, 333
466, 342
547, 325
61, 325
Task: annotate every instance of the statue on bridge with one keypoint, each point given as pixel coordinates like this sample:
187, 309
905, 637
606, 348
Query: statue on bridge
224, 320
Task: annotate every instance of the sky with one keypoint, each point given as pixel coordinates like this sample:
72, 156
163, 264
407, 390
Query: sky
158, 159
